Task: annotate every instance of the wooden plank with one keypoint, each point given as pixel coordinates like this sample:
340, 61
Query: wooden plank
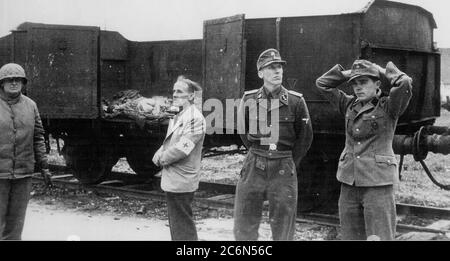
109, 182
62, 176
224, 197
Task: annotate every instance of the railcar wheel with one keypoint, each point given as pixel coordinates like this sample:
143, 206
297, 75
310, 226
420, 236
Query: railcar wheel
140, 160
90, 163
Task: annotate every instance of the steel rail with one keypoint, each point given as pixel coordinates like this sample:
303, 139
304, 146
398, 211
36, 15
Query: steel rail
333, 220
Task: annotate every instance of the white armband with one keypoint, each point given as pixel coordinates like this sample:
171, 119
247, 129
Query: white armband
185, 145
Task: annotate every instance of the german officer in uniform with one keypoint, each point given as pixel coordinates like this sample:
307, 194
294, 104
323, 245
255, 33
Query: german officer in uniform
277, 131
367, 166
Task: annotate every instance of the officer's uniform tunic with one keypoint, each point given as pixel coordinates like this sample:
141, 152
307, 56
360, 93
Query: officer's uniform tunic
269, 170
367, 166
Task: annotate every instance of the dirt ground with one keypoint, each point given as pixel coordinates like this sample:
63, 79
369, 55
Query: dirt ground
56, 222
66, 214
60, 214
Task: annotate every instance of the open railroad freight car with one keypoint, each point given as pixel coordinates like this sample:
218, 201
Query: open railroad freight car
72, 68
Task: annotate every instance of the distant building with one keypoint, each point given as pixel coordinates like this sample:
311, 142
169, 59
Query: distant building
445, 65
445, 73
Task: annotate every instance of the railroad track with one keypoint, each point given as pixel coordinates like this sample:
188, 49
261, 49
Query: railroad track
222, 196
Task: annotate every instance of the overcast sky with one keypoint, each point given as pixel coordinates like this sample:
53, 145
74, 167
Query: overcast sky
148, 20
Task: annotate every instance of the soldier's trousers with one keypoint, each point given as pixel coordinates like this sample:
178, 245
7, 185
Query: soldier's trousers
366, 212
274, 179
14, 197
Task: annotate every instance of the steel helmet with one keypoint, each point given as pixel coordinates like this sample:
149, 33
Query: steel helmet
12, 70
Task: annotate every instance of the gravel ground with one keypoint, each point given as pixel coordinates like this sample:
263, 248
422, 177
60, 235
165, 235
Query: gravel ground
212, 224
415, 186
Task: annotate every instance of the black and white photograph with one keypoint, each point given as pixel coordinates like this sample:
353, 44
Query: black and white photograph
224, 121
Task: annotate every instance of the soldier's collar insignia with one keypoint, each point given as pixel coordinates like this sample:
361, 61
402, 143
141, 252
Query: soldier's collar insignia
374, 101
284, 96
259, 96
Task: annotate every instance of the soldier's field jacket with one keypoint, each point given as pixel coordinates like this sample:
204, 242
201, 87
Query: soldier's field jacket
21, 137
368, 158
295, 131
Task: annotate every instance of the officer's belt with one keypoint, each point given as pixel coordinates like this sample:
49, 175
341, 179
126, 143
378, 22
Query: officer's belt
273, 154
278, 147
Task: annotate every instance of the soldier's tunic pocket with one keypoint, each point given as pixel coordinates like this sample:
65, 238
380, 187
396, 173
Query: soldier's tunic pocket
261, 163
385, 170
385, 160
287, 126
374, 123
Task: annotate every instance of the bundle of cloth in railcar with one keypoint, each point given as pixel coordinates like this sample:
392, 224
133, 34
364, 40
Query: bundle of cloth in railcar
131, 104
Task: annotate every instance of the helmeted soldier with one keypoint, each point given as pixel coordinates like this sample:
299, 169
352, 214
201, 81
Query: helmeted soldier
367, 166
274, 125
22, 148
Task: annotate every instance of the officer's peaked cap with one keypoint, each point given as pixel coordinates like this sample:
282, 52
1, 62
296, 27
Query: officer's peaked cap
268, 57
